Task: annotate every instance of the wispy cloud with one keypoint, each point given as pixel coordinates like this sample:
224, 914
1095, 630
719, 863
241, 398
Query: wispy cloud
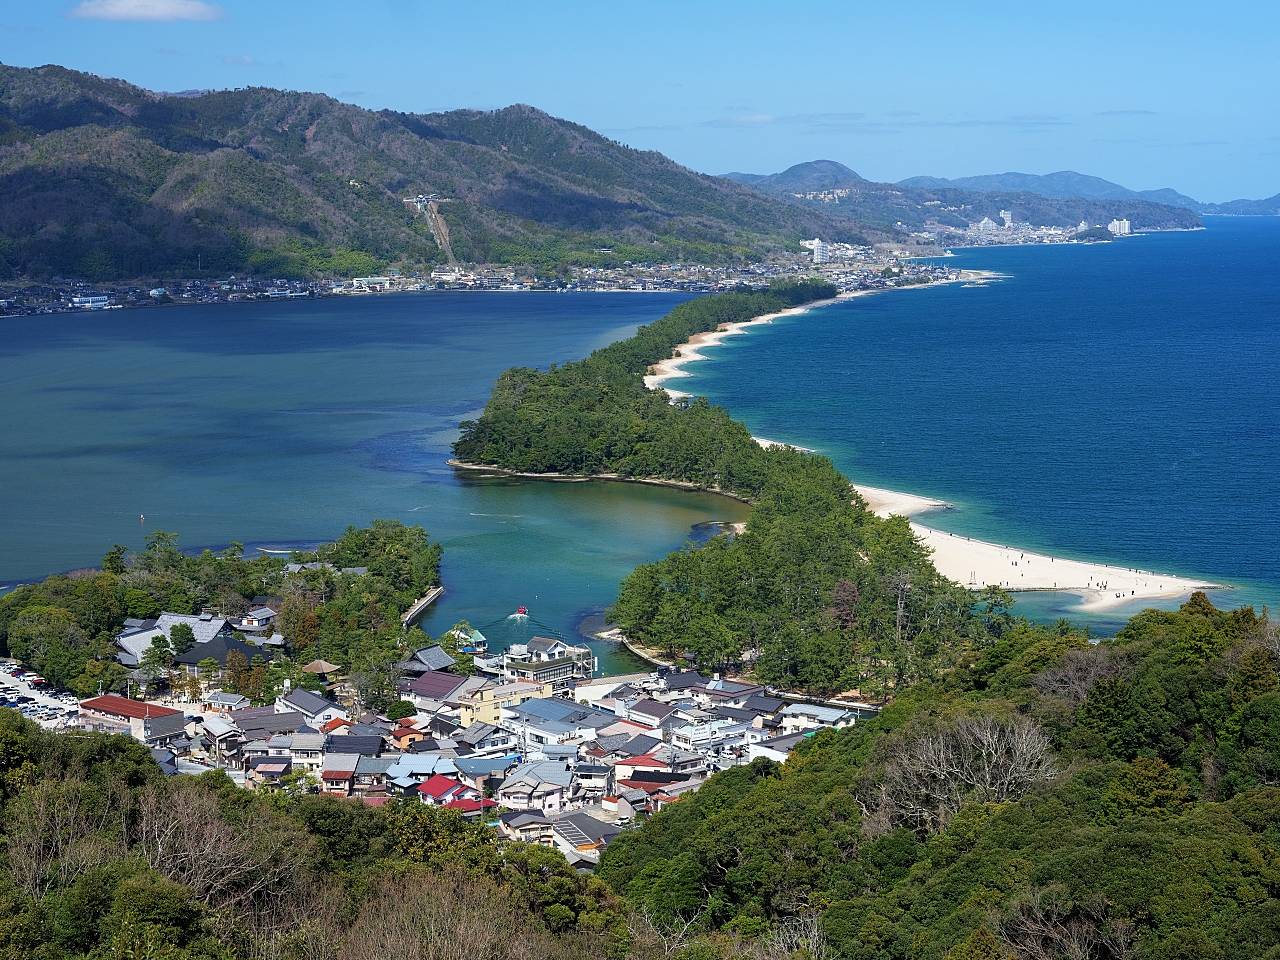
748, 120
899, 119
1126, 113
1029, 120
244, 60
145, 10
802, 119
643, 128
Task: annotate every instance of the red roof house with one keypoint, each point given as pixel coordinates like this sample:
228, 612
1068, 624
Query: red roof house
439, 790
122, 709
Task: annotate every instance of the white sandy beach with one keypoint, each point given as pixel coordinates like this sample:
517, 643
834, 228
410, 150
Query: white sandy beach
688, 352
973, 563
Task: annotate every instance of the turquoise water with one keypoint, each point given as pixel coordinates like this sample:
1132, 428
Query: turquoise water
279, 424
1111, 402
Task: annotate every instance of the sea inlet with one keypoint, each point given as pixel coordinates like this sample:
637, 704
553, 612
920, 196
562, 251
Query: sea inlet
278, 424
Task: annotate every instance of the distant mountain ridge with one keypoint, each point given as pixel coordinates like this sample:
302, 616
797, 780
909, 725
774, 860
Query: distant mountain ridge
832, 186
101, 179
1055, 186
1068, 183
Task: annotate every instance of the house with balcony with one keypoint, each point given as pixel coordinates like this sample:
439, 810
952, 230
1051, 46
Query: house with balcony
527, 826
541, 785
549, 661
797, 717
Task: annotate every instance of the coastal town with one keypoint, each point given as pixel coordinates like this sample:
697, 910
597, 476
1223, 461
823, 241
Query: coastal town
527, 739
851, 267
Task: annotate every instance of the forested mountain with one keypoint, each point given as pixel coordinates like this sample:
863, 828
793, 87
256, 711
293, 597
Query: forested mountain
99, 178
833, 187
1068, 183
1270, 207
814, 175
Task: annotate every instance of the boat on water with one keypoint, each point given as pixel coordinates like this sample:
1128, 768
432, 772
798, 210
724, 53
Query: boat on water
522, 611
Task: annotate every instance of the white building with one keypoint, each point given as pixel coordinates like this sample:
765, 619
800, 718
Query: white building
1119, 227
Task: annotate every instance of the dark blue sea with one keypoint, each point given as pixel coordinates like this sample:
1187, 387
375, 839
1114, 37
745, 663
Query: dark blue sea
1113, 402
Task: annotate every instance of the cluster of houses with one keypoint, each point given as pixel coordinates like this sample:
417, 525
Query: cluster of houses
530, 741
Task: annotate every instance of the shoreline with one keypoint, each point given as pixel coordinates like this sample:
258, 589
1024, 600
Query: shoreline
972, 563
687, 352
976, 563
585, 477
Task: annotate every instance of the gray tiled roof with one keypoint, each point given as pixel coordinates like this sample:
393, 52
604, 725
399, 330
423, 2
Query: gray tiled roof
308, 741
374, 764
307, 702
540, 771
476, 733
435, 685
365, 746
433, 658
681, 681
166, 726
135, 642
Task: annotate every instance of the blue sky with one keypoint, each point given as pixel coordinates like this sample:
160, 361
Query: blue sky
1146, 94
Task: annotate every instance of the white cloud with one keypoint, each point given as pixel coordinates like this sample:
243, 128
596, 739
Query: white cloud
163, 10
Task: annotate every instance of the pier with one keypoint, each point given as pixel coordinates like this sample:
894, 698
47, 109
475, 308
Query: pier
414, 613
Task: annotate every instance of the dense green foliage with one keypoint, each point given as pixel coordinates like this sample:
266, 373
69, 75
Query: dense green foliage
1150, 820
105, 858
64, 626
1094, 235
101, 179
596, 416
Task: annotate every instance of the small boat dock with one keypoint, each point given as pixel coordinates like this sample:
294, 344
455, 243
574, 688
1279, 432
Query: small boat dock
414, 613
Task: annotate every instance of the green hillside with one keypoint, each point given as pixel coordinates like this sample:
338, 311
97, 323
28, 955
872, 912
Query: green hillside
102, 179
1048, 799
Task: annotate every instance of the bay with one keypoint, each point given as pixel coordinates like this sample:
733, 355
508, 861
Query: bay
1113, 402
279, 424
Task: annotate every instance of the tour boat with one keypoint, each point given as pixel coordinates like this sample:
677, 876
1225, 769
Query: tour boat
522, 611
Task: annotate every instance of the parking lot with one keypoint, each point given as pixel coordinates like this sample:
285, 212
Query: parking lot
17, 692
